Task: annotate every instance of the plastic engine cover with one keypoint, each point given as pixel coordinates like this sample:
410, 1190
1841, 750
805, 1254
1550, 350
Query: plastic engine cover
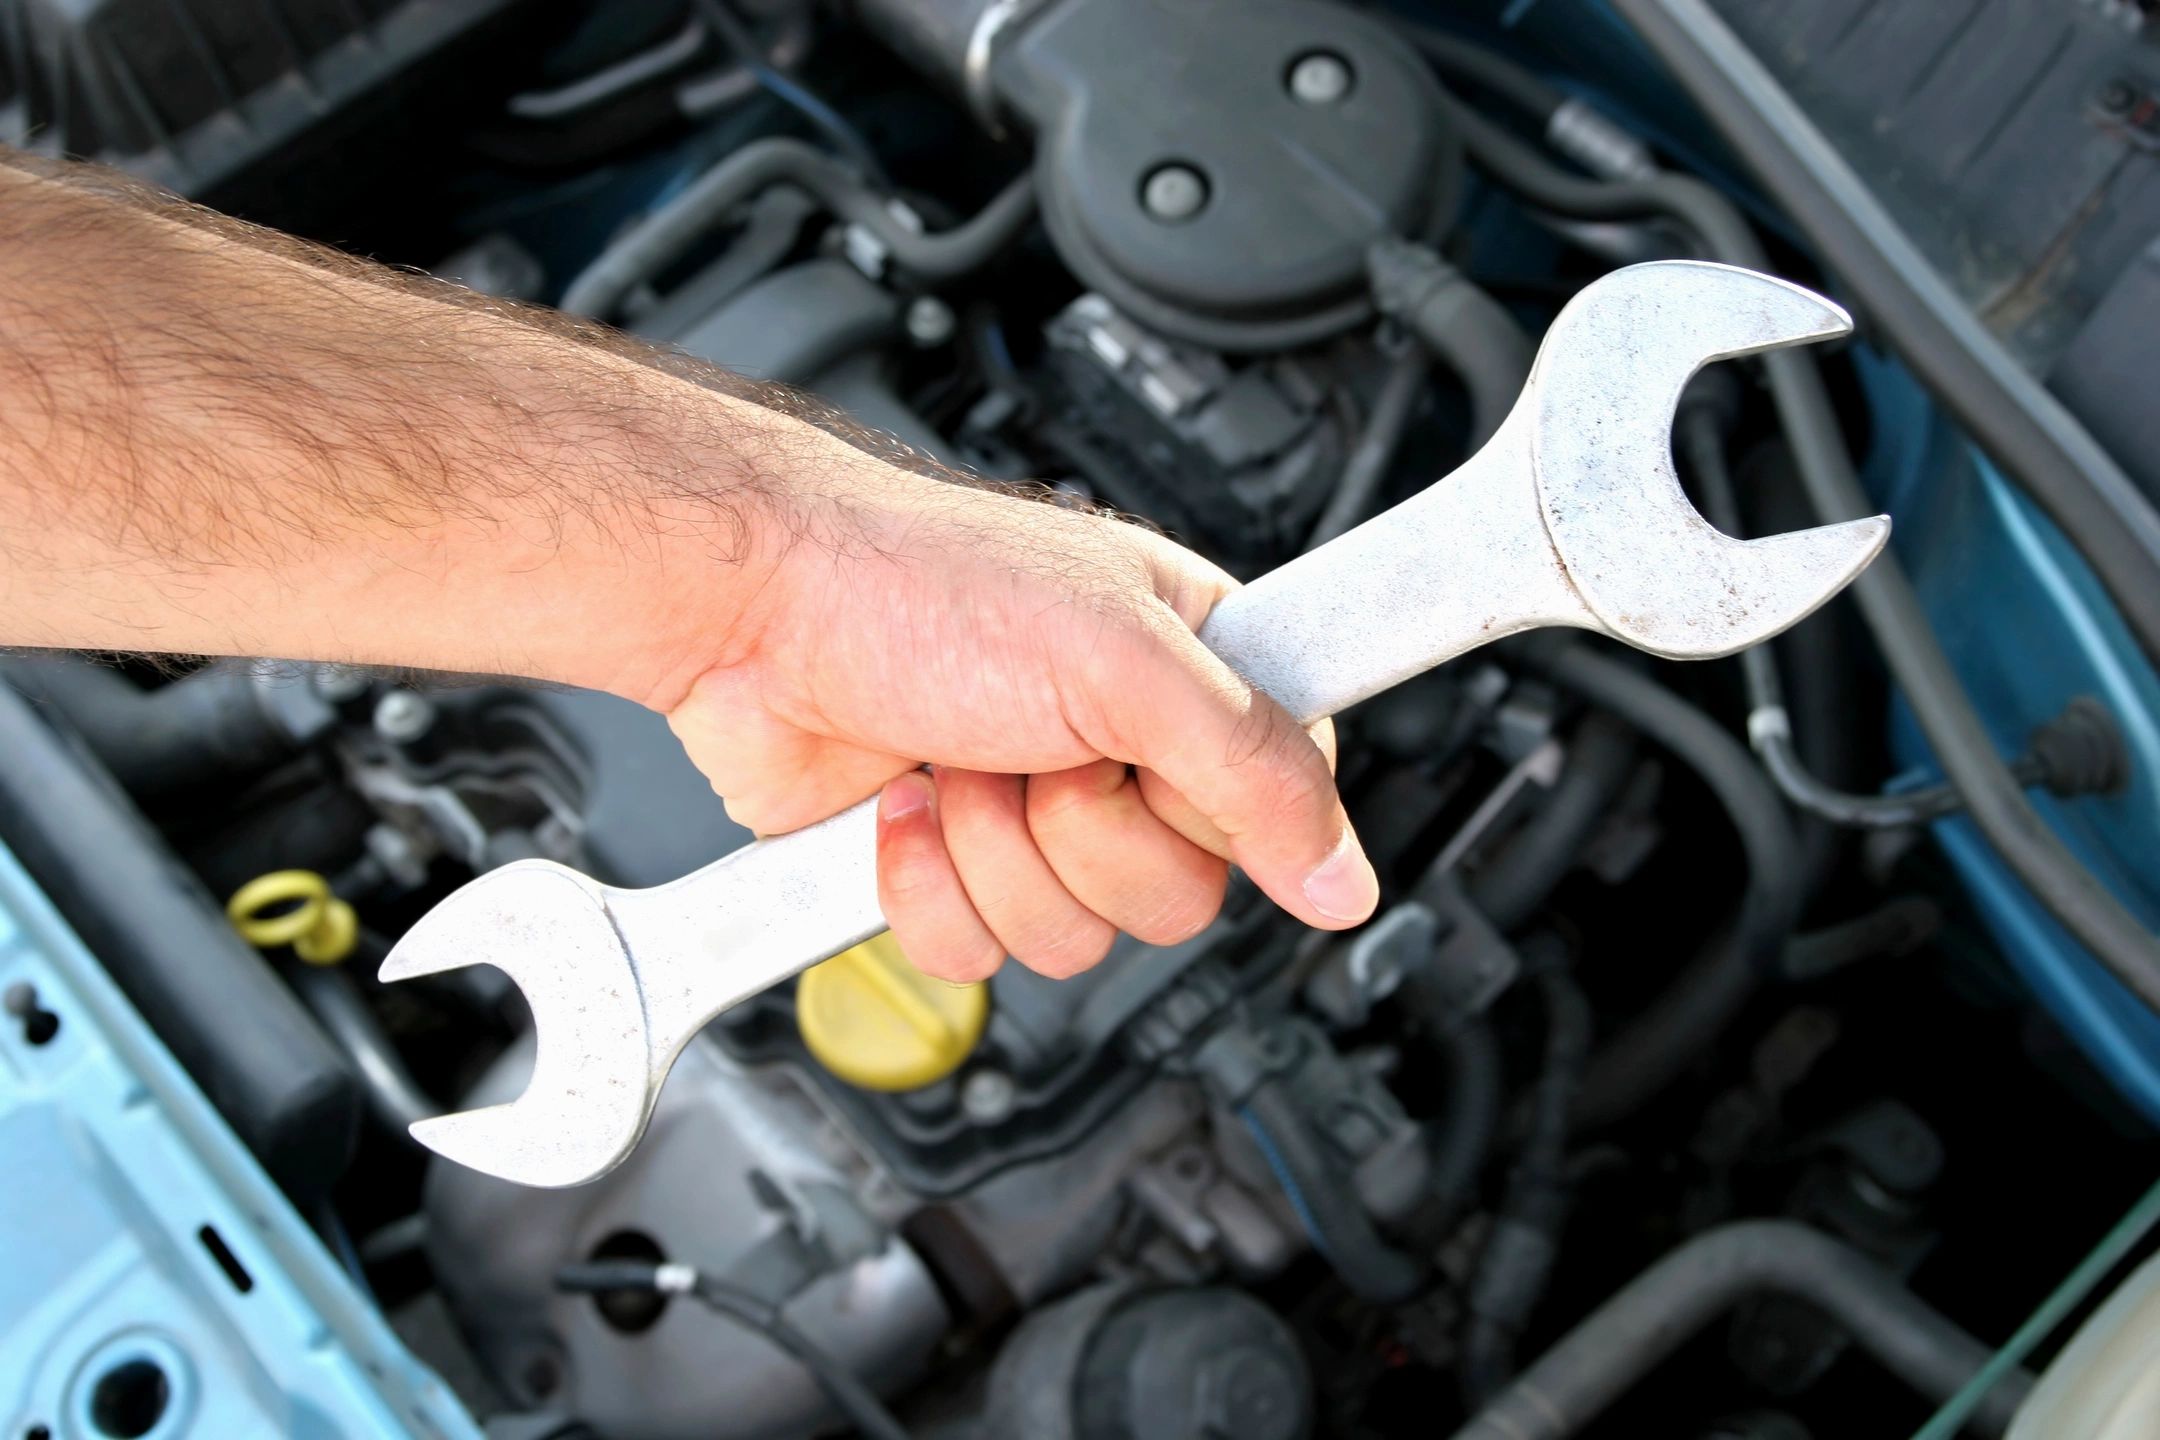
1281, 185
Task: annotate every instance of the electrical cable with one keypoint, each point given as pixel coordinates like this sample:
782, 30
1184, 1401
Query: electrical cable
2082, 735
1326, 1202
2008, 413
792, 93
1887, 601
849, 1396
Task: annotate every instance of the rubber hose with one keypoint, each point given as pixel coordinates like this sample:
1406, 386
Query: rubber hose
1327, 1203
1367, 467
386, 1081
1515, 1265
663, 236
2012, 416
1530, 863
1482, 69
1657, 1045
1472, 333
204, 729
1770, 905
1460, 1137
1653, 1315
1894, 615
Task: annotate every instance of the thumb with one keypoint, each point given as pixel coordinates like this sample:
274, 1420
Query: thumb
1161, 700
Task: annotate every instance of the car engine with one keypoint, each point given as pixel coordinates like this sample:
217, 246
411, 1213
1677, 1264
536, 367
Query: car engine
1715, 1066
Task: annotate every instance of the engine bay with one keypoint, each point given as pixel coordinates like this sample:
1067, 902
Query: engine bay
1711, 1061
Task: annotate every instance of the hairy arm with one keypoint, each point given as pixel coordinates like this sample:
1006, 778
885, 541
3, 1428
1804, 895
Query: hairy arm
215, 440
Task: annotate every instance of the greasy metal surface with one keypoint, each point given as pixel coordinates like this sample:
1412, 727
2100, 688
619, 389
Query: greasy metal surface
1571, 515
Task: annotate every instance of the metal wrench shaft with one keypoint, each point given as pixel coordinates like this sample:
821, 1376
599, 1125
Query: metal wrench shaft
1570, 515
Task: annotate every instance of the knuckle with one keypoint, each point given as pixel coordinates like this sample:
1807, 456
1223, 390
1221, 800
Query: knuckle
1077, 947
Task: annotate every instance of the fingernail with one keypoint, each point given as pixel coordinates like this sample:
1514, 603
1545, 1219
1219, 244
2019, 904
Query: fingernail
904, 797
1343, 886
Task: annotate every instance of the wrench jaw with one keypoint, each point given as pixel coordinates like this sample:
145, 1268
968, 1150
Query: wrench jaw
1601, 402
592, 1087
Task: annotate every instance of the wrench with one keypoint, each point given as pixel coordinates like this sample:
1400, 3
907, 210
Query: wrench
1570, 515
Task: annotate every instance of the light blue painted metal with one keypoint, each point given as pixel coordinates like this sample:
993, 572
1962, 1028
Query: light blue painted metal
112, 1169
2028, 627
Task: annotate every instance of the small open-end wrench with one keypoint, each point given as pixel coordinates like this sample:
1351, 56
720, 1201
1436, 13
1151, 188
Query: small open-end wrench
1570, 515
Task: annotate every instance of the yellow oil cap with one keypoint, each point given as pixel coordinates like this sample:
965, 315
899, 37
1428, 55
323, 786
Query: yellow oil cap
876, 1021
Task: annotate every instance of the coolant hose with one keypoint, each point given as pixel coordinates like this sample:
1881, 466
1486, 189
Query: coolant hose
1472, 333
205, 729
1770, 905
1460, 1137
2011, 414
667, 233
1891, 608
1327, 1203
1526, 866
1515, 1265
1654, 1314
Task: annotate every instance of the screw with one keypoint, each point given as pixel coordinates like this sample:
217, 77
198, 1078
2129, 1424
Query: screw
986, 1096
2117, 97
1320, 78
38, 1024
929, 321
1174, 192
402, 717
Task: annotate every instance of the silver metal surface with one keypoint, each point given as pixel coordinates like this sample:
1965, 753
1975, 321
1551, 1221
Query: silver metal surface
1570, 515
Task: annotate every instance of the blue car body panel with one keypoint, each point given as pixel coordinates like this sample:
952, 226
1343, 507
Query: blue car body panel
119, 1187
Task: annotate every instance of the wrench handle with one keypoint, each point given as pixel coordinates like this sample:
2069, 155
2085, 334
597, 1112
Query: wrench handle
1461, 563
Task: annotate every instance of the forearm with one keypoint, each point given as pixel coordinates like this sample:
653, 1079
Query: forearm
217, 441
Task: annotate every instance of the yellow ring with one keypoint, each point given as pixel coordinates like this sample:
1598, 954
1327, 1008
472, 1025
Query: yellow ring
321, 928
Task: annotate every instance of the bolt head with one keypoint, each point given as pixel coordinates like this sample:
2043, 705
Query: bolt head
987, 1096
402, 717
929, 321
2117, 96
1174, 192
1320, 78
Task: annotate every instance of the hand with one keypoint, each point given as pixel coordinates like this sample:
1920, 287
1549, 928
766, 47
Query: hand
1093, 765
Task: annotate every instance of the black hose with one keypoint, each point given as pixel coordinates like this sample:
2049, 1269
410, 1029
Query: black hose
790, 92
1771, 903
669, 231
1893, 612
1895, 927
853, 1399
1525, 868
2012, 416
1327, 1204
1653, 1315
1458, 1140
1516, 1262
1367, 465
1471, 333
1654, 1048
1701, 438
1482, 69
205, 729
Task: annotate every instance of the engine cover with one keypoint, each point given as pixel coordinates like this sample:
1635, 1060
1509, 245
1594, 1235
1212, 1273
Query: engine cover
1217, 168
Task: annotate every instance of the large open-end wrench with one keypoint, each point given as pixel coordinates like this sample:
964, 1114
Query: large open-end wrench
1570, 515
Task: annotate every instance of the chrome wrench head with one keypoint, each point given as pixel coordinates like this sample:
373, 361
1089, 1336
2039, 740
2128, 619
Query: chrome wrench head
1576, 499
1603, 393
549, 929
